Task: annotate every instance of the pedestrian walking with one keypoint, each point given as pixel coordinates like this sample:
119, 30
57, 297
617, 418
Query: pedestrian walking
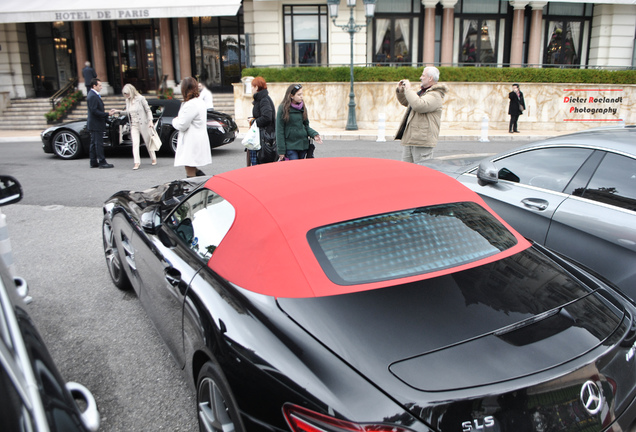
292, 125
96, 125
419, 129
516, 107
140, 120
193, 144
263, 113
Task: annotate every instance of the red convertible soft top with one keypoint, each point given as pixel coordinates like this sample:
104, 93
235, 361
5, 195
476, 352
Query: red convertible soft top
266, 250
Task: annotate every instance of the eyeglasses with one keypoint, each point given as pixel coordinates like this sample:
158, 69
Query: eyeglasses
296, 88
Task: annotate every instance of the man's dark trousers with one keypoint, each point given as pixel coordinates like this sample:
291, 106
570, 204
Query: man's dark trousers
96, 150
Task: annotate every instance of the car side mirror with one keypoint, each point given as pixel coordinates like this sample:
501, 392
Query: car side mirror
150, 220
487, 173
10, 190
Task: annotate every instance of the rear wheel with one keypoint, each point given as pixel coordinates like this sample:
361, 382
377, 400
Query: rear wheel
217, 409
66, 144
113, 259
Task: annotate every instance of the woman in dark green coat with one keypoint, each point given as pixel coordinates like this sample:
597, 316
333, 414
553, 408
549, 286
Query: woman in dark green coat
292, 125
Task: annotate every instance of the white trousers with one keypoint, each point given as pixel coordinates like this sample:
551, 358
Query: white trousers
135, 132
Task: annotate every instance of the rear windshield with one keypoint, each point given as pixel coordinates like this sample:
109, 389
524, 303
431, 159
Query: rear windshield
408, 242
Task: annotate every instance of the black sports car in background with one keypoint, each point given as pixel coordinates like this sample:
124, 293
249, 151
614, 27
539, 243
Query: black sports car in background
33, 394
71, 140
317, 295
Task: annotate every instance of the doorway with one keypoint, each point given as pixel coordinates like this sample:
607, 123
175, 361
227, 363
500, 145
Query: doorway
137, 58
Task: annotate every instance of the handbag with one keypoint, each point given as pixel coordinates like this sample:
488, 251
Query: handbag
155, 141
252, 139
521, 108
269, 149
311, 149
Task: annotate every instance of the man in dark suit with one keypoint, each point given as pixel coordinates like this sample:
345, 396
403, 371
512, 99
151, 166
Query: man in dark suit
89, 73
96, 125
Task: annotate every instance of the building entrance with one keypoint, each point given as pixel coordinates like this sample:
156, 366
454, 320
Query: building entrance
137, 58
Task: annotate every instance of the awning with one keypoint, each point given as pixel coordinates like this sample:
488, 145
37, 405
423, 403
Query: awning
17, 11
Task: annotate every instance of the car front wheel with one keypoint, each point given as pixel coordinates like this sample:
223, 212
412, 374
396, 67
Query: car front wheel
66, 144
217, 409
113, 259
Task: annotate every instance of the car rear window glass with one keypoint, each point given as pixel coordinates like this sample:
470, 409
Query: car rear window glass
408, 242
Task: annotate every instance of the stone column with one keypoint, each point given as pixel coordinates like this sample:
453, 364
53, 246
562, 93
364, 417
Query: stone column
167, 65
448, 27
99, 57
185, 62
429, 32
516, 45
534, 42
81, 56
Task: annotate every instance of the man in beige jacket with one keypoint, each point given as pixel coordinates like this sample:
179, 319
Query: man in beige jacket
419, 129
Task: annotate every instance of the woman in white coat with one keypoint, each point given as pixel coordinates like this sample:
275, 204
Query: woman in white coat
193, 144
140, 120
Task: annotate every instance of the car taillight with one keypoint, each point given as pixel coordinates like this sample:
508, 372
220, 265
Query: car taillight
304, 420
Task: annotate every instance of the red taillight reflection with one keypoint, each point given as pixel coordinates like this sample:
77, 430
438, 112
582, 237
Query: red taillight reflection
304, 420
215, 123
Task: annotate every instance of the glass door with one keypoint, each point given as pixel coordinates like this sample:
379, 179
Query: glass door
137, 54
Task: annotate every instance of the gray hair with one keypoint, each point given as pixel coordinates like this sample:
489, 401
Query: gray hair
87, 63
432, 72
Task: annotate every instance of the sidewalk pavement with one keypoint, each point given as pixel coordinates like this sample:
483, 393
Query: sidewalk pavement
358, 135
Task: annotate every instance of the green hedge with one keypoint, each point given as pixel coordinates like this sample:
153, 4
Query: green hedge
447, 74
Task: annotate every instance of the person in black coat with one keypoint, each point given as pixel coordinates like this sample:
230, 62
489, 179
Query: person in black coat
516, 108
96, 125
88, 73
264, 114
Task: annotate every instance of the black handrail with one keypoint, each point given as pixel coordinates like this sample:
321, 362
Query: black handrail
59, 95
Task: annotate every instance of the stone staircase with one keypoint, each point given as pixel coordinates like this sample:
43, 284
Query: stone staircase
28, 114
25, 114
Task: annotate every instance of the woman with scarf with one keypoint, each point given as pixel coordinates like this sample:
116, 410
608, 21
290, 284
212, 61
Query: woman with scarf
292, 126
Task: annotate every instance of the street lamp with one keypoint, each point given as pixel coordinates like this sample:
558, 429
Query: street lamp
352, 28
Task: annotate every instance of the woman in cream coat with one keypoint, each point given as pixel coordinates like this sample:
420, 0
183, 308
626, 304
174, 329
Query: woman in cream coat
193, 144
140, 119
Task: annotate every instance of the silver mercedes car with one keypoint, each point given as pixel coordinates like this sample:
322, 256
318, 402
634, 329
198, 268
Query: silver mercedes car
575, 194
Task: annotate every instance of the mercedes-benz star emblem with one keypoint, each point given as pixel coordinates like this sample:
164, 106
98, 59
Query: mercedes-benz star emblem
592, 397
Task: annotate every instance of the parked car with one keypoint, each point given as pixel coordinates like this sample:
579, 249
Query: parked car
574, 193
34, 395
359, 294
71, 140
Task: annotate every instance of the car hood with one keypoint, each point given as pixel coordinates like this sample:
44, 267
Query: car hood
514, 328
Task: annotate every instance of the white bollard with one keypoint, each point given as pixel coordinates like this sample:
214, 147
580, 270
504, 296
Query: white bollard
381, 127
484, 129
5, 245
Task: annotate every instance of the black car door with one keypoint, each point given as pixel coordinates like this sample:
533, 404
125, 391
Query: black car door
182, 246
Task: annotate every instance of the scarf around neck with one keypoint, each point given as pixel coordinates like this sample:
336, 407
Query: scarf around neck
298, 106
